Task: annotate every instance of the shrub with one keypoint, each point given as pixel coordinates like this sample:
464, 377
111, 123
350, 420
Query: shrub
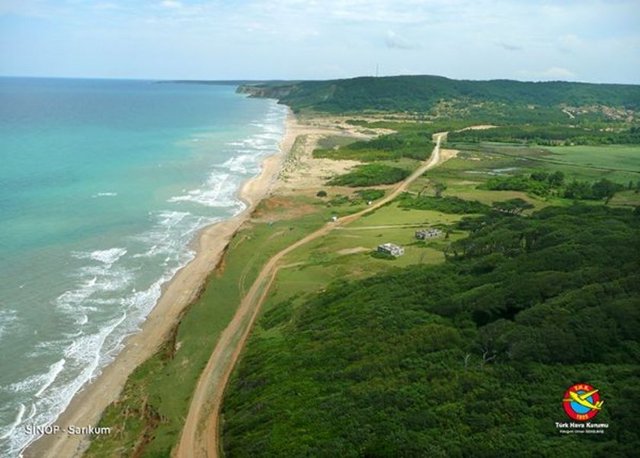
370, 175
371, 194
448, 204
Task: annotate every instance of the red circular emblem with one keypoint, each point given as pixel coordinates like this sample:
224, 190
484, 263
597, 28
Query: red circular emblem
582, 402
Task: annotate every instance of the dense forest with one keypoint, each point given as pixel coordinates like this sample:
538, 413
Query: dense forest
423, 93
467, 358
548, 135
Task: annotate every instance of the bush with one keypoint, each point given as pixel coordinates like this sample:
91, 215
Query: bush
602, 189
371, 194
408, 144
509, 183
339, 200
321, 194
370, 175
453, 205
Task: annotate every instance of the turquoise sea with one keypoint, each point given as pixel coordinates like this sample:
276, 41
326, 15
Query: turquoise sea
103, 185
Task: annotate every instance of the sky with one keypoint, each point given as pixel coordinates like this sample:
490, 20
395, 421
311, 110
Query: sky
534, 40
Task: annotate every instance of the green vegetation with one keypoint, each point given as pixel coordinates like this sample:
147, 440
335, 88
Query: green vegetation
602, 189
542, 184
448, 204
412, 143
370, 175
548, 135
335, 141
362, 196
512, 206
408, 144
610, 157
618, 163
370, 194
412, 123
465, 358
539, 182
346, 252
338, 200
506, 101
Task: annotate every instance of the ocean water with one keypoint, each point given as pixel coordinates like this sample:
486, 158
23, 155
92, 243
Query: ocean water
103, 185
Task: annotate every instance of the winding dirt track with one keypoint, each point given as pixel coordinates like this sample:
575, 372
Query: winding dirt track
200, 435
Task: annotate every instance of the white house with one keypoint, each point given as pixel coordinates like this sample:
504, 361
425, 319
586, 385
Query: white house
392, 249
424, 234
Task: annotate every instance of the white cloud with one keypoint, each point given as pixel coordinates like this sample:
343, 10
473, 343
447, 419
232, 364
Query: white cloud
172, 4
395, 41
533, 39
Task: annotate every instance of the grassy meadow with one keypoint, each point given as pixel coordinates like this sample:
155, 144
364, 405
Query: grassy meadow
619, 163
625, 158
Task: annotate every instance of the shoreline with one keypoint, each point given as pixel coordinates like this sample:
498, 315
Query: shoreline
88, 404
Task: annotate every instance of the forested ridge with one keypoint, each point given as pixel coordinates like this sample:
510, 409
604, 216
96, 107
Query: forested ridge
422, 93
467, 358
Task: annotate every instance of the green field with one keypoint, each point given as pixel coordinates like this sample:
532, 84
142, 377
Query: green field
615, 162
347, 251
475, 164
611, 157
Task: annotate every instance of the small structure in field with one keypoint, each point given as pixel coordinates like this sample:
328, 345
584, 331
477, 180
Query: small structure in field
424, 234
334, 218
392, 249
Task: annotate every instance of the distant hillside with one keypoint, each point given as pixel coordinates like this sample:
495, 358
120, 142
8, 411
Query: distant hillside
432, 94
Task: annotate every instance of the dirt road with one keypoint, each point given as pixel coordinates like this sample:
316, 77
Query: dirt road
200, 435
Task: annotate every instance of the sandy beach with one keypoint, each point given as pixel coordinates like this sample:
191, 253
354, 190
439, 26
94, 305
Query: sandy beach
85, 409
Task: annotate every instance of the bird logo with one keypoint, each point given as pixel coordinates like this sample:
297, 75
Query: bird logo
582, 402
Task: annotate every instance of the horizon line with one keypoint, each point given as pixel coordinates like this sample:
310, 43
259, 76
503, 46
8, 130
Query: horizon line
294, 80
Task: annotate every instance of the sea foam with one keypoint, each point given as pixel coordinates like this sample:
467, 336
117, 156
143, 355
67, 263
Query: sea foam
8, 318
108, 256
105, 194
